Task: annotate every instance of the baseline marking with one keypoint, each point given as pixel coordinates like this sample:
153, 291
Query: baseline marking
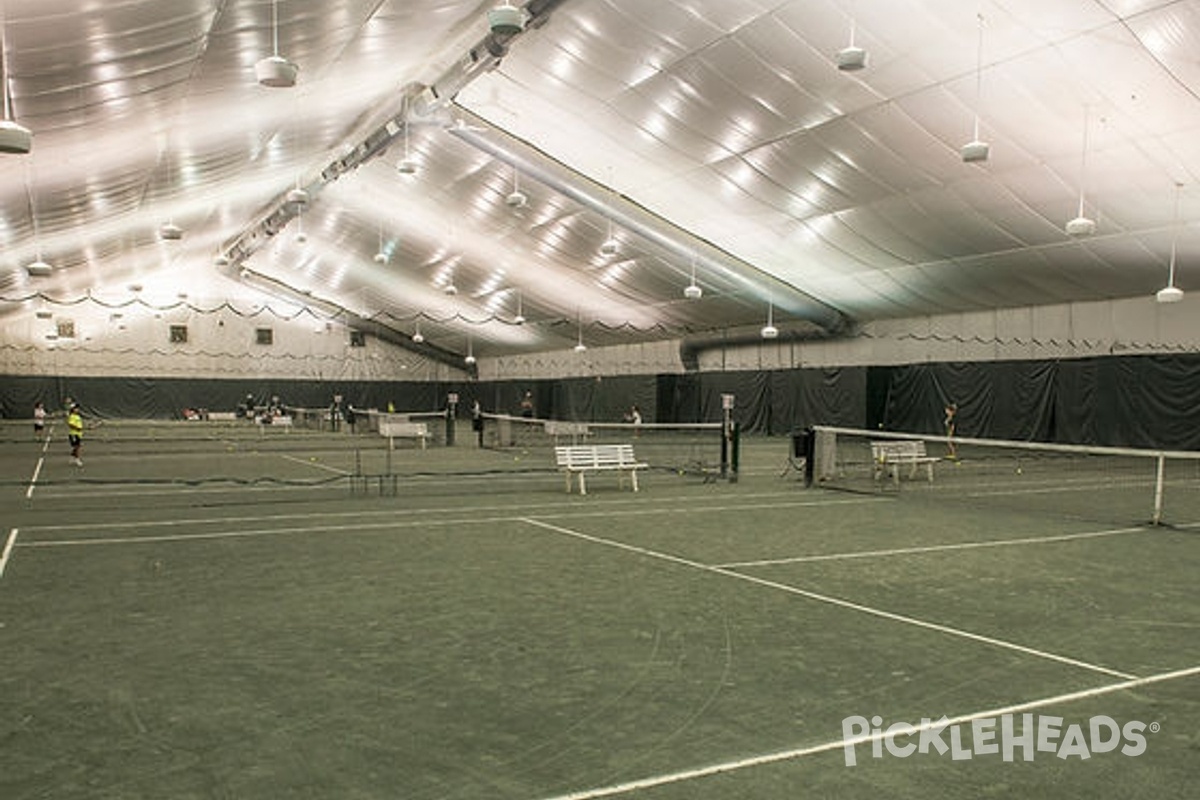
311, 529
8, 548
934, 548
607, 511
788, 755
837, 601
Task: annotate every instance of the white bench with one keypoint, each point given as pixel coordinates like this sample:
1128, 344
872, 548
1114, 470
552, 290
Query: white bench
580, 459
557, 429
889, 456
394, 429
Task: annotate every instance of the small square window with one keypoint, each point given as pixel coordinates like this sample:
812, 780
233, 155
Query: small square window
179, 334
358, 339
265, 336
65, 328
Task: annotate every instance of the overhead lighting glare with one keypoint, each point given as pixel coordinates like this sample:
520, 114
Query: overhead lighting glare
977, 150
170, 232
275, 71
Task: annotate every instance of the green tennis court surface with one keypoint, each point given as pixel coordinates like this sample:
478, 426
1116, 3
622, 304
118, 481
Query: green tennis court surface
208, 613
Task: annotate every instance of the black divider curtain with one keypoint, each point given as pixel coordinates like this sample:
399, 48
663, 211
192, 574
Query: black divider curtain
1132, 401
165, 398
782, 401
1140, 401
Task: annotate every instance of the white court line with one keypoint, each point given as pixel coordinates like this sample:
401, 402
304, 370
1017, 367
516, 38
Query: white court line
316, 464
8, 548
519, 513
933, 548
37, 470
838, 744
318, 528
836, 601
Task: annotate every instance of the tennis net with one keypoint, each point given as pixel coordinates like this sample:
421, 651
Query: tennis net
1125, 485
696, 448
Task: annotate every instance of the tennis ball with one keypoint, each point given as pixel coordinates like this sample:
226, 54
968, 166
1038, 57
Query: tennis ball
312, 458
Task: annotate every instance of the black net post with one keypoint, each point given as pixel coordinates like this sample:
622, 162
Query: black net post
735, 433
451, 413
810, 448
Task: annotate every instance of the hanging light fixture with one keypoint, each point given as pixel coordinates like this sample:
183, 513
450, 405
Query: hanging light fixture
407, 165
506, 19
692, 291
15, 139
417, 337
470, 359
611, 245
852, 57
301, 236
37, 268
516, 198
519, 319
580, 347
169, 231
1081, 225
769, 331
275, 71
977, 149
381, 256
297, 198
1172, 293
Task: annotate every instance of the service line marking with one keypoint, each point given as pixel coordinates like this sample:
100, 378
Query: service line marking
933, 548
837, 601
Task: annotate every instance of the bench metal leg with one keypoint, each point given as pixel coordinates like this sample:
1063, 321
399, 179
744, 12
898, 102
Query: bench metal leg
567, 473
633, 479
582, 485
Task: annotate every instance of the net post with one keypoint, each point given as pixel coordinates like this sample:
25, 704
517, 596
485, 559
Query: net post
735, 448
1158, 490
451, 413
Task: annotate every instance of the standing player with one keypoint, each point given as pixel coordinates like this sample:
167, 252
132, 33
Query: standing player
39, 420
75, 433
950, 422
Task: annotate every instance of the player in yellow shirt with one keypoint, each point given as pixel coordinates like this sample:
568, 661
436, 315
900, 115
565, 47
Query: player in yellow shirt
75, 433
